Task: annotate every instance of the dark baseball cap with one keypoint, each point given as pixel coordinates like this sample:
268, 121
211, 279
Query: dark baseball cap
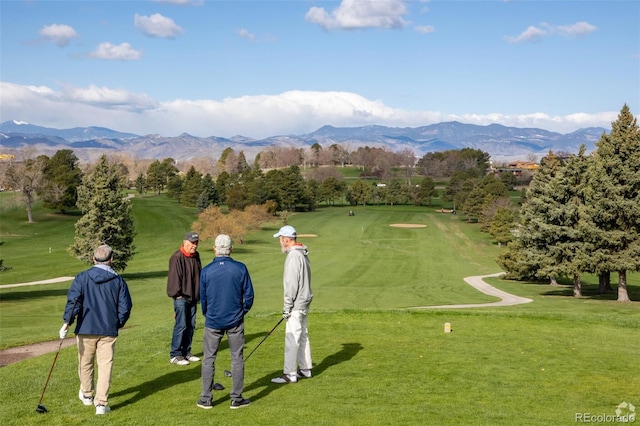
191, 236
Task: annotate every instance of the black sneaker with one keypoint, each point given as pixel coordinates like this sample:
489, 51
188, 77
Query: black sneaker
207, 405
239, 403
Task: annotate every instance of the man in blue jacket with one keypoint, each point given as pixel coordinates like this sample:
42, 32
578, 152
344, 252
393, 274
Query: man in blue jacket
226, 296
100, 299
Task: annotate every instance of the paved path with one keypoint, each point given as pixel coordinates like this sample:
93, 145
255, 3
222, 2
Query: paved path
506, 299
51, 281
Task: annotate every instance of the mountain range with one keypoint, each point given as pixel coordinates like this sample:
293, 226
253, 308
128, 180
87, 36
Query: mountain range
501, 142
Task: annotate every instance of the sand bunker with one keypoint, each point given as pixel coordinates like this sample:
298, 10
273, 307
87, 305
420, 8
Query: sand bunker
408, 225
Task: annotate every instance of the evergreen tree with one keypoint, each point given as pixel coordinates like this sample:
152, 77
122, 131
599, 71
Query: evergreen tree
569, 249
613, 199
141, 184
62, 177
528, 253
160, 173
191, 188
424, 192
501, 225
174, 187
106, 215
292, 192
359, 193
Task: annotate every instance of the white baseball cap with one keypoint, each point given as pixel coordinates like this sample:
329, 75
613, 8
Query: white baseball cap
286, 231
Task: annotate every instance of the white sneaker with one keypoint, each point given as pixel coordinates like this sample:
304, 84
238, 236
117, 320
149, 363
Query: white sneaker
86, 400
179, 360
285, 378
192, 358
102, 409
304, 373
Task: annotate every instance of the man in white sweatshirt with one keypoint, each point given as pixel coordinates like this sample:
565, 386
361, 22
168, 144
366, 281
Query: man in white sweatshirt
297, 299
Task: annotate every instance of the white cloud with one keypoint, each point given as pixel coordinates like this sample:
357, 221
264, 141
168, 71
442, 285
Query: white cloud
292, 112
59, 34
357, 14
157, 25
577, 29
534, 33
243, 33
425, 29
530, 34
123, 52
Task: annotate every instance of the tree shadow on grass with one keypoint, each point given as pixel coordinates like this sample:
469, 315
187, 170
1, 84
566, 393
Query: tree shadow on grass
145, 275
591, 292
23, 293
348, 351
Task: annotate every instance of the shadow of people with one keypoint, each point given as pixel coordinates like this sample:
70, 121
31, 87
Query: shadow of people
160, 383
181, 375
348, 351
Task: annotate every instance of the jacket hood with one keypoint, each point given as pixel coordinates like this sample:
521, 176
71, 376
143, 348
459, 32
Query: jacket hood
301, 248
100, 275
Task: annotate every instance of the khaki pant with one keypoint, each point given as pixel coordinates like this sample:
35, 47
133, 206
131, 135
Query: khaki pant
100, 349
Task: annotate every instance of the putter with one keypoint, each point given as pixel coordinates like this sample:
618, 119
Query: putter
228, 373
41, 408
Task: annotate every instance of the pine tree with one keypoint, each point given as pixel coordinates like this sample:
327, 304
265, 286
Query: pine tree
568, 249
62, 177
530, 248
191, 188
106, 215
613, 200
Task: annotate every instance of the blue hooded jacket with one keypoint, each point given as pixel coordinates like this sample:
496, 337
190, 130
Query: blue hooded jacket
102, 302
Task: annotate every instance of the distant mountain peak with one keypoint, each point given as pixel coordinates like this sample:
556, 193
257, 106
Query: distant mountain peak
499, 141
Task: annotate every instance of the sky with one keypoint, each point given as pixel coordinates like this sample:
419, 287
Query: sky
273, 67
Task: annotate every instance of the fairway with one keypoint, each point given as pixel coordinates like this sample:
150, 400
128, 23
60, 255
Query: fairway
377, 359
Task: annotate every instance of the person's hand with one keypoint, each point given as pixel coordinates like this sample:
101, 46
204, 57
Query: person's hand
64, 330
286, 315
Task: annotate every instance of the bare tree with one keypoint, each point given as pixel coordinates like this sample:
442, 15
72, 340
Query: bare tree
27, 176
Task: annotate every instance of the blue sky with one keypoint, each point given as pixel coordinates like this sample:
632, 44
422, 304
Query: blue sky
263, 68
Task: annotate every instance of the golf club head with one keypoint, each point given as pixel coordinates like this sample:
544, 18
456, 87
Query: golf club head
227, 373
41, 409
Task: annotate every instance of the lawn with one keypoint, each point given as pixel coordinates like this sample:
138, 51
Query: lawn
377, 359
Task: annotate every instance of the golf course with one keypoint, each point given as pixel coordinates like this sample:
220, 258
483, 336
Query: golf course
382, 296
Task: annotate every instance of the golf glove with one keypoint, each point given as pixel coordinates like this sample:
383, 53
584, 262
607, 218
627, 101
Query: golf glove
286, 315
64, 330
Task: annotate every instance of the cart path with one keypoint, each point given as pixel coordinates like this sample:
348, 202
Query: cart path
19, 353
51, 281
506, 299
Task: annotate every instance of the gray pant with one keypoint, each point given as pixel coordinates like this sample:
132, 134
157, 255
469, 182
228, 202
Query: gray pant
211, 343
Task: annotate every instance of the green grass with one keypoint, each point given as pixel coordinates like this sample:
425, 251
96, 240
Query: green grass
376, 361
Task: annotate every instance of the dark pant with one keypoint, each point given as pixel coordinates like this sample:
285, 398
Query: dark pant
184, 327
211, 343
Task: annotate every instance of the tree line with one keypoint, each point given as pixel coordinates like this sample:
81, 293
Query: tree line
581, 214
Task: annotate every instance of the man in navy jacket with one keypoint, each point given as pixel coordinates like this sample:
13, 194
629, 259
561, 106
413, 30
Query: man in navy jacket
226, 296
100, 299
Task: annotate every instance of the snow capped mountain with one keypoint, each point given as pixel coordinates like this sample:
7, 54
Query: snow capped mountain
501, 142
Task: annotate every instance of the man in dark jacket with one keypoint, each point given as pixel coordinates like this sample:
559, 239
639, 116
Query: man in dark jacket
100, 299
227, 296
183, 286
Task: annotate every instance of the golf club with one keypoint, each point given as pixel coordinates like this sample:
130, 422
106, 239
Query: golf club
228, 373
41, 408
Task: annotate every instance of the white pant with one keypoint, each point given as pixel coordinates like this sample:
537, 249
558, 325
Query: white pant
297, 351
